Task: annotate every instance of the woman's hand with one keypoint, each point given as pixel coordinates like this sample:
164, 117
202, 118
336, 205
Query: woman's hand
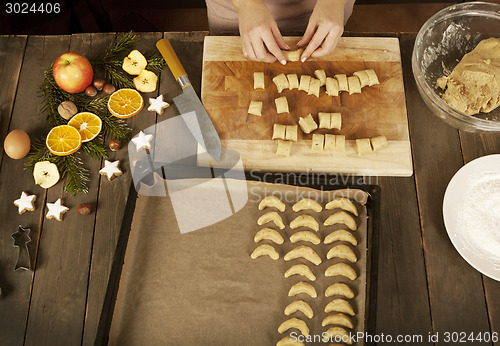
324, 29
260, 37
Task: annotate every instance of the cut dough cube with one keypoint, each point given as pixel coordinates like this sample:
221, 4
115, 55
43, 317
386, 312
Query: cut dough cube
314, 86
293, 81
281, 82
379, 142
279, 131
324, 120
307, 124
321, 75
258, 80
284, 148
329, 142
255, 108
305, 80
354, 85
372, 76
291, 133
364, 80
340, 143
342, 79
363, 146
318, 141
335, 121
293, 55
332, 86
281, 105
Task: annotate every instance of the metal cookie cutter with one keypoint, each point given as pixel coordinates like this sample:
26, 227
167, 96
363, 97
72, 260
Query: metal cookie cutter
21, 240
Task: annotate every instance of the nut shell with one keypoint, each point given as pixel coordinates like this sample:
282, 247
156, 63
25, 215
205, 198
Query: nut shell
84, 209
115, 145
109, 89
67, 109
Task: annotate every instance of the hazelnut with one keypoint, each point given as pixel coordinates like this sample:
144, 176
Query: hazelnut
91, 91
84, 209
67, 109
115, 145
108, 89
99, 83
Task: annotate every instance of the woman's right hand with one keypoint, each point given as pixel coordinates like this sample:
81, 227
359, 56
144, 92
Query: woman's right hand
260, 37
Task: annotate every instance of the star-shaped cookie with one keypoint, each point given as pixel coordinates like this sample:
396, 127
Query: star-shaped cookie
25, 202
56, 210
142, 141
111, 169
157, 105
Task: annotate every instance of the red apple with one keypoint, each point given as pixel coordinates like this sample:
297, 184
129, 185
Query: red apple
73, 72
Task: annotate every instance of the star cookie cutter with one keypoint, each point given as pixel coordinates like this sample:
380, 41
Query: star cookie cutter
21, 240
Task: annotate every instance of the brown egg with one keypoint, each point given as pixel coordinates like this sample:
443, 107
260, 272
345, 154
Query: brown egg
17, 144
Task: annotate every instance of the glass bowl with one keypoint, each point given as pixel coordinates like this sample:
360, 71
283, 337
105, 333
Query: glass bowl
440, 44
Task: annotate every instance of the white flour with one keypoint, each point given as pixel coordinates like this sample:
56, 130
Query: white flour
479, 217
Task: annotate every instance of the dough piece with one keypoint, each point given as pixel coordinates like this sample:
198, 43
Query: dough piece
281, 105
341, 235
255, 108
279, 131
271, 216
321, 75
341, 269
294, 323
258, 80
364, 80
288, 341
265, 250
342, 251
293, 81
329, 142
314, 86
354, 85
300, 269
363, 146
293, 55
372, 76
304, 251
474, 84
305, 221
307, 204
299, 305
272, 201
335, 121
25, 203
338, 319
307, 124
324, 120
342, 80
339, 289
268, 234
332, 86
306, 236
305, 80
291, 132
337, 333
281, 82
340, 305
284, 148
342, 203
318, 142
343, 218
379, 142
340, 143
302, 287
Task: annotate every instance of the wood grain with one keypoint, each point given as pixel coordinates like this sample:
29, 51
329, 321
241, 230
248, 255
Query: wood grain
455, 288
227, 89
35, 54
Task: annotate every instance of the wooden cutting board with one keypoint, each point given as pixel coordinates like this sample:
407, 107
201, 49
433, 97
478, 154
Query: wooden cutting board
227, 89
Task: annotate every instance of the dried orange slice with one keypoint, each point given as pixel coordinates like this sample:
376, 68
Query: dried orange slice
88, 124
63, 140
125, 103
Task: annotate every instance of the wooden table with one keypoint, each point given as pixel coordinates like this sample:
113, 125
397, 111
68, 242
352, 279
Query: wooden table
423, 286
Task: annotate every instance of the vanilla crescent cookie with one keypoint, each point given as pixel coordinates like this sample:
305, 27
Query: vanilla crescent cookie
299, 305
343, 218
307, 204
305, 252
294, 323
339, 305
302, 287
265, 249
339, 289
271, 216
338, 319
339, 333
272, 201
342, 251
287, 341
342, 203
305, 221
342, 269
268, 234
341, 235
300, 269
306, 236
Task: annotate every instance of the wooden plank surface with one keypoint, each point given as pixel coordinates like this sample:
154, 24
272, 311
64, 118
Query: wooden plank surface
455, 288
38, 54
227, 89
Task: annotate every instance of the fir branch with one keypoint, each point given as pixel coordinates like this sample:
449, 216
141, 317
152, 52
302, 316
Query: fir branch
95, 149
126, 41
115, 128
39, 152
76, 175
155, 62
117, 77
